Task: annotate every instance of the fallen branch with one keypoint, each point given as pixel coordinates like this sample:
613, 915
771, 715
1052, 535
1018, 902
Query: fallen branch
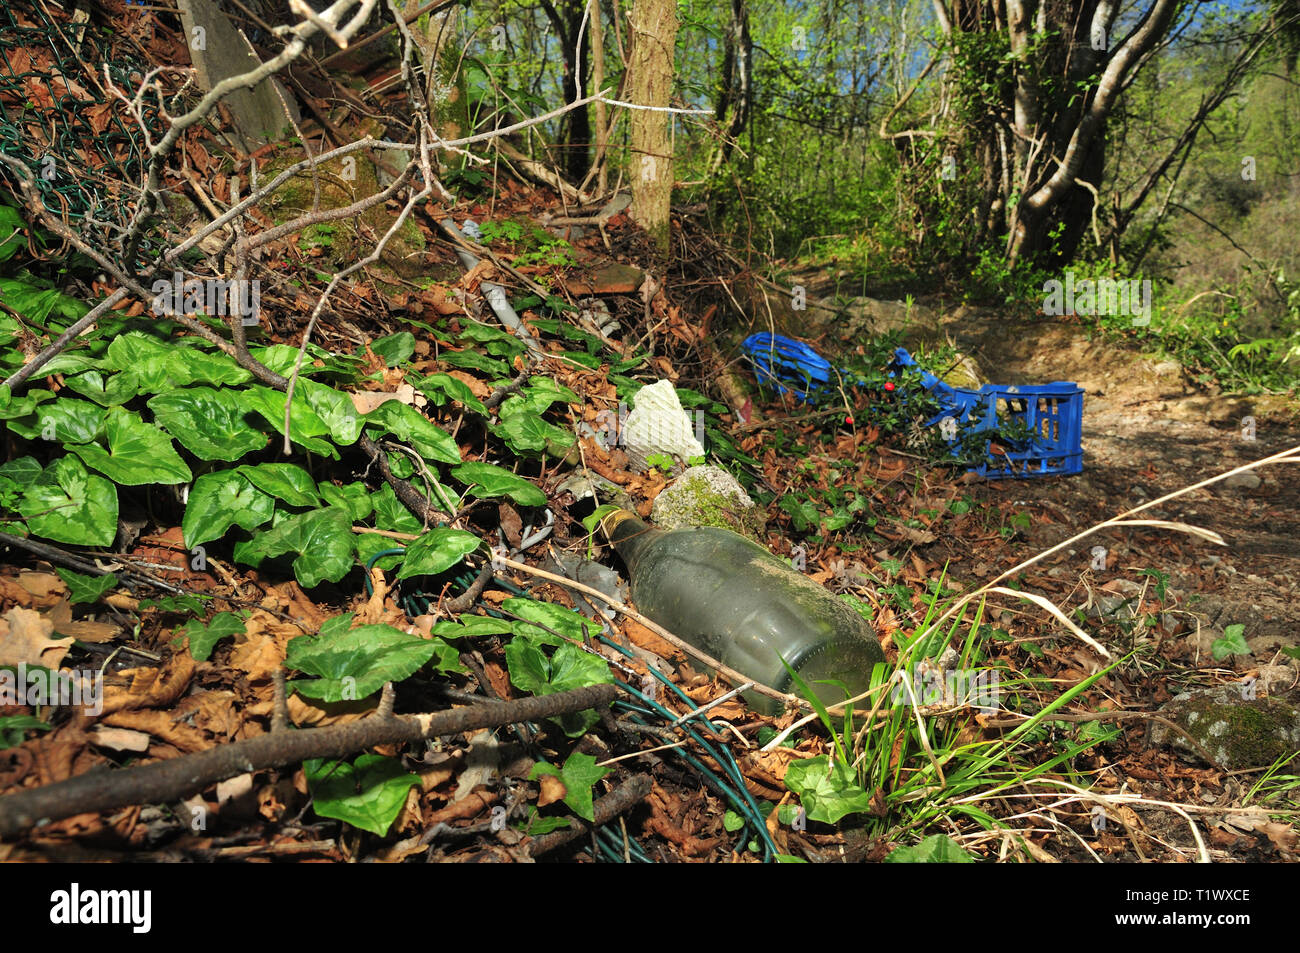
165, 781
619, 801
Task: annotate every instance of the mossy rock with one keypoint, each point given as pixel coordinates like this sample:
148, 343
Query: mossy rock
343, 182
708, 496
1235, 732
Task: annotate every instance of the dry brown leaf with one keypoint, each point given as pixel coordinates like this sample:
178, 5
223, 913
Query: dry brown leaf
367, 400
45, 587
61, 615
26, 637
151, 687
261, 650
120, 739
303, 712
1283, 836
553, 790
477, 387
161, 725
214, 713
643, 637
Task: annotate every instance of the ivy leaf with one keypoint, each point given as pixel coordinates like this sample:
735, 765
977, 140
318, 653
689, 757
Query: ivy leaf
13, 727
68, 504
803, 514
526, 432
827, 793
322, 538
335, 409
468, 626
138, 453
369, 544
353, 497
410, 426
208, 423
396, 348
204, 637
185, 603
1232, 643
305, 426
391, 513
437, 551
492, 480
579, 775
537, 397
569, 624
474, 361
66, 420
530, 669
367, 794
570, 667
438, 387
155, 365
281, 358
285, 481
220, 500
83, 588
17, 474
355, 663
12, 407
935, 849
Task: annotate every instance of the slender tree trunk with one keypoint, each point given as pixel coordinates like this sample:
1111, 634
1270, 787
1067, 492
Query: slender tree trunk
654, 34
1033, 84
599, 165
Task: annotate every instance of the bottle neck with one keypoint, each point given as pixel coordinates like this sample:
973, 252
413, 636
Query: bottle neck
628, 534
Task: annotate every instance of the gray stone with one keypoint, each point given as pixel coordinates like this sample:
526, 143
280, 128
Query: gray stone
1249, 480
1232, 729
708, 496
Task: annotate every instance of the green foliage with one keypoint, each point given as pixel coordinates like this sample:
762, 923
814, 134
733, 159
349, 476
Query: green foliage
368, 794
203, 637
935, 849
352, 664
579, 775
827, 787
488, 480
1232, 643
437, 551
542, 625
82, 588
14, 727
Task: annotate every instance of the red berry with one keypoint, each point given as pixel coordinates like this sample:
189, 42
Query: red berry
849, 420
889, 385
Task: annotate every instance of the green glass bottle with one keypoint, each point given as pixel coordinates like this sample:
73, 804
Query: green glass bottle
731, 598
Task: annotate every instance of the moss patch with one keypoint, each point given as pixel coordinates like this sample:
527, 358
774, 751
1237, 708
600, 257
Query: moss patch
709, 496
1235, 732
341, 242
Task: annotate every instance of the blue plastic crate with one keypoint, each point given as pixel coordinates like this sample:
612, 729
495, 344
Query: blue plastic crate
789, 366
1052, 413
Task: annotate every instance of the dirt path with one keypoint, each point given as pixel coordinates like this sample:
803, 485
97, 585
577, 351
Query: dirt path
1147, 432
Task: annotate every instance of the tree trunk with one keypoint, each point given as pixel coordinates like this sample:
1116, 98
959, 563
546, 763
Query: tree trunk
1033, 84
654, 33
